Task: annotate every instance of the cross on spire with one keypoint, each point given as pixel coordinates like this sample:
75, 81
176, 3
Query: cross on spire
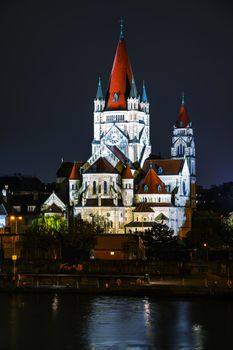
121, 28
182, 98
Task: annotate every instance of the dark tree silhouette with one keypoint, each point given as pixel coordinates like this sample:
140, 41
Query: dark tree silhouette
159, 238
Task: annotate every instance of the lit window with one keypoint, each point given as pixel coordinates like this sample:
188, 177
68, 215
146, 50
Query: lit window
31, 208
17, 208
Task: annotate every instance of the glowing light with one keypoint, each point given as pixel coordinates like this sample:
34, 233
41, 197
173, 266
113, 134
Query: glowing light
112, 253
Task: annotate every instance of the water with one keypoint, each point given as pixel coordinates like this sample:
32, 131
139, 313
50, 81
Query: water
56, 321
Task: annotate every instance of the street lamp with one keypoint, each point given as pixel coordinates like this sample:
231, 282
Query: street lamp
205, 245
14, 256
16, 219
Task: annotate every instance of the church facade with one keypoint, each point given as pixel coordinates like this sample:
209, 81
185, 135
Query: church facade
122, 186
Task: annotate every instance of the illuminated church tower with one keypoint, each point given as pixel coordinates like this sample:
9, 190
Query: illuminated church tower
183, 146
121, 120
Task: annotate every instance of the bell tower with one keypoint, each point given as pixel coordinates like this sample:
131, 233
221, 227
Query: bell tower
183, 146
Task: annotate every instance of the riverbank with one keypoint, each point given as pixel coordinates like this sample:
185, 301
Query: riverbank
210, 286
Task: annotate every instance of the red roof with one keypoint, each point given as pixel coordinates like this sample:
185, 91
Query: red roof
143, 208
120, 79
101, 165
151, 184
75, 174
165, 166
127, 174
183, 118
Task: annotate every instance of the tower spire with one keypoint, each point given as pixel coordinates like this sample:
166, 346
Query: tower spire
99, 93
120, 78
183, 117
133, 91
144, 95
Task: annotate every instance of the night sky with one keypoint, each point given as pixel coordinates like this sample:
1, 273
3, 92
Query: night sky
52, 53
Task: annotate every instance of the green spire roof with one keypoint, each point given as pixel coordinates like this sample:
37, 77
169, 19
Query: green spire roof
133, 91
99, 94
144, 95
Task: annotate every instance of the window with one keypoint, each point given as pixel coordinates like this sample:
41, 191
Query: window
180, 150
159, 188
31, 208
115, 98
105, 187
17, 208
94, 187
160, 170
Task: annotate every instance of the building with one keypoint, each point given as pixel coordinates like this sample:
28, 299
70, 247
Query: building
122, 185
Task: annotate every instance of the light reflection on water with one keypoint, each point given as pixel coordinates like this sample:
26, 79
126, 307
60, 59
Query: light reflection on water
112, 323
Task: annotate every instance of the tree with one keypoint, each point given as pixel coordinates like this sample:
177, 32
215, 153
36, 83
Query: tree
226, 233
45, 237
159, 238
80, 240
207, 228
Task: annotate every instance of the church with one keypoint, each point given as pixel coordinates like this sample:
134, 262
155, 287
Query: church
123, 186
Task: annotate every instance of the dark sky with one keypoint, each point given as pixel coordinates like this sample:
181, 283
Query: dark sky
52, 53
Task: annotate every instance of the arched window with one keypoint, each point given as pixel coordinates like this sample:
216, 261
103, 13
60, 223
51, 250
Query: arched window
180, 150
105, 187
159, 188
184, 188
94, 187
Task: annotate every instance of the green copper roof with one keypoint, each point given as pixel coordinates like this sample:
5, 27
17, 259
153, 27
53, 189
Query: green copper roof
99, 94
144, 95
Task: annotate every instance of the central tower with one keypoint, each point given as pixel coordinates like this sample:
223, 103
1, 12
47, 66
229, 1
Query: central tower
121, 119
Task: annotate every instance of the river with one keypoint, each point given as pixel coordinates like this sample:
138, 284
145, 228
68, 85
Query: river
62, 321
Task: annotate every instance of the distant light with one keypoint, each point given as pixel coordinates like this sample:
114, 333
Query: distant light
205, 244
112, 253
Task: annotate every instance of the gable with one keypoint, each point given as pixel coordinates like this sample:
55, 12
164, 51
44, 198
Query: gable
114, 136
53, 199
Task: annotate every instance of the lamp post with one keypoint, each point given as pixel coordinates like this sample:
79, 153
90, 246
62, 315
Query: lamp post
205, 245
14, 256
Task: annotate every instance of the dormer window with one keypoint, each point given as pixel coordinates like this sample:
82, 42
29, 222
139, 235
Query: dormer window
159, 188
145, 188
115, 97
160, 170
